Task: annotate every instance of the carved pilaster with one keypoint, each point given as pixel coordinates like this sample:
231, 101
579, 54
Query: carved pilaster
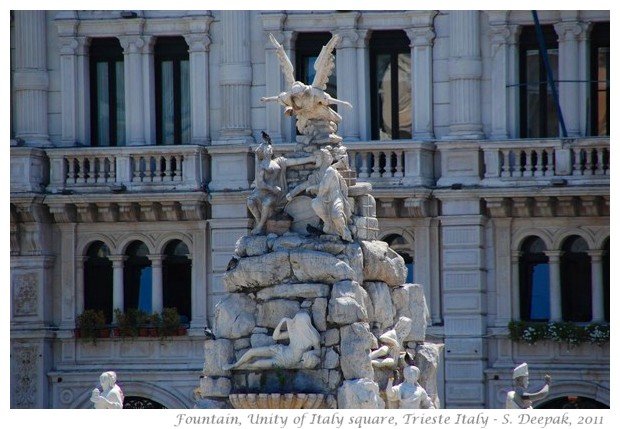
194, 210
86, 212
421, 39
150, 211
128, 212
25, 294
63, 212
24, 372
522, 207
544, 206
499, 206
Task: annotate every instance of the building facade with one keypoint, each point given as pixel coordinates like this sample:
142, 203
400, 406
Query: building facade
485, 136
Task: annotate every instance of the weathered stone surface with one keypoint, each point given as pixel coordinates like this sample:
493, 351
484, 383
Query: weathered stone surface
383, 264
289, 241
355, 345
409, 301
366, 228
234, 316
258, 271
271, 312
331, 358
294, 290
319, 313
211, 404
215, 386
347, 303
261, 340
241, 343
217, 353
317, 267
360, 394
300, 209
427, 359
354, 257
330, 337
383, 315
251, 245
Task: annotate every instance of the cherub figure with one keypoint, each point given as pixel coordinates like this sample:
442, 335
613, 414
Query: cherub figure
310, 103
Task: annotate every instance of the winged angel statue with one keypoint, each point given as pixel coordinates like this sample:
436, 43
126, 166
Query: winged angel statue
310, 103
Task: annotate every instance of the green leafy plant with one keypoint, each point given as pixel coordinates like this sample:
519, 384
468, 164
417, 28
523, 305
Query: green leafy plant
89, 323
564, 332
170, 321
129, 322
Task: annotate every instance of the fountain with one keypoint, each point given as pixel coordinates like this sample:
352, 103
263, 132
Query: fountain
318, 314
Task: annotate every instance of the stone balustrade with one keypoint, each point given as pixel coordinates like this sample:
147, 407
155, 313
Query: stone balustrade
152, 168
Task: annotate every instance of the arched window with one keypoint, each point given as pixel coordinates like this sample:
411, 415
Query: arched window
138, 278
138, 402
177, 278
576, 280
534, 280
400, 246
98, 279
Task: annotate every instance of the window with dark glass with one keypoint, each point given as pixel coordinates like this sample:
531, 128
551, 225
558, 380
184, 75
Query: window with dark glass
107, 92
307, 49
576, 280
172, 91
98, 280
539, 117
177, 279
390, 85
534, 289
400, 246
137, 278
600, 77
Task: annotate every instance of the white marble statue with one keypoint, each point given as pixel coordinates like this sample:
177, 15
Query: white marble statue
331, 204
389, 353
111, 395
520, 398
302, 351
270, 183
409, 394
310, 103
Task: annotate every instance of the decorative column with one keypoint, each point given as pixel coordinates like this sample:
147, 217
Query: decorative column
362, 109
515, 283
236, 78
274, 118
465, 71
79, 284
73, 84
504, 71
157, 291
422, 81
555, 288
568, 85
134, 89
598, 297
31, 80
199, 41
347, 74
118, 297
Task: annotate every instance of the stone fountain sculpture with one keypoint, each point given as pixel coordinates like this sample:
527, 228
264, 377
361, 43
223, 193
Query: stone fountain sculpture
318, 314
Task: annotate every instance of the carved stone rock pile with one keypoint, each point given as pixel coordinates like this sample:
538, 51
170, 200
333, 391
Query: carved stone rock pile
353, 292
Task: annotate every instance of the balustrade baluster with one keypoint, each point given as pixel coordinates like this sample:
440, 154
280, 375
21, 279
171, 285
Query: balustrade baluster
399, 164
363, 169
577, 171
82, 170
376, 164
588, 165
550, 171
71, 179
527, 168
506, 168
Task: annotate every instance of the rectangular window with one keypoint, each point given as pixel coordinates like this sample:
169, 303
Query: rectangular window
172, 91
600, 77
539, 117
307, 49
390, 85
107, 91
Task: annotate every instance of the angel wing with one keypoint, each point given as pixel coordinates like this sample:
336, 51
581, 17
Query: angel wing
325, 63
285, 62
